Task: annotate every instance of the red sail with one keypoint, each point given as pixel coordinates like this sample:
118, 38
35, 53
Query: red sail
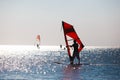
69, 31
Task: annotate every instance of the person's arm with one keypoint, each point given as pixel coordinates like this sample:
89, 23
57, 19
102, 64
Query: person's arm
69, 46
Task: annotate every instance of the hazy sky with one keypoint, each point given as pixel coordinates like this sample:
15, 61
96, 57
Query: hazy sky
97, 22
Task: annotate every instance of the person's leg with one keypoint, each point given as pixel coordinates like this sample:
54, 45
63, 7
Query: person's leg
78, 57
71, 60
73, 57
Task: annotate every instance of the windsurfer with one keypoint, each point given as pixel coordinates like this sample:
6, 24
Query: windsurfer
75, 53
70, 33
38, 41
60, 46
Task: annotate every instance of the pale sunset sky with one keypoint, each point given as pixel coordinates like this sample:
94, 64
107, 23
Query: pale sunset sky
97, 22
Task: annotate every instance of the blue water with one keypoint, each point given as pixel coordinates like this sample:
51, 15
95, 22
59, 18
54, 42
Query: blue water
34, 64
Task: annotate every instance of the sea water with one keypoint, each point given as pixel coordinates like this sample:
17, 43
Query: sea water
52, 63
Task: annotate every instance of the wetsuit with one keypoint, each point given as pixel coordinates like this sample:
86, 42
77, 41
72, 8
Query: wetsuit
75, 53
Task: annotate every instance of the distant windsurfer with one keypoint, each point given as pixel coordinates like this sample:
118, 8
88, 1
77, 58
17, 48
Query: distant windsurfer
60, 46
75, 53
38, 41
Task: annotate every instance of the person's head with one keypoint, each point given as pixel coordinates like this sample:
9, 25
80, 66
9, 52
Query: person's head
74, 41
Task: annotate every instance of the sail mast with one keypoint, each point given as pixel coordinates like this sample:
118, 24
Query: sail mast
66, 40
